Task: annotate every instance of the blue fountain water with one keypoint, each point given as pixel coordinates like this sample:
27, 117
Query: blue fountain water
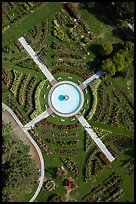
61, 97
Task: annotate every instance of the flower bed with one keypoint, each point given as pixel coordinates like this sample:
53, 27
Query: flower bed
49, 185
60, 127
5, 76
67, 151
127, 122
38, 109
71, 56
106, 116
72, 166
19, 113
63, 143
21, 95
100, 107
40, 141
129, 167
70, 63
58, 134
94, 86
106, 191
16, 81
58, 46
29, 94
83, 75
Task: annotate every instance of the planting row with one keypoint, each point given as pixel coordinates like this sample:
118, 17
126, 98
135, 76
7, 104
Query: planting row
16, 81
126, 121
67, 151
13, 11
129, 167
80, 74
29, 94
63, 143
107, 191
70, 63
5, 76
38, 109
40, 141
72, 166
71, 56
16, 110
58, 134
60, 46
60, 127
22, 90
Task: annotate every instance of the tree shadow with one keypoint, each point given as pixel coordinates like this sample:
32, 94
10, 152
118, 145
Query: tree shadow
65, 182
100, 12
129, 152
95, 49
123, 33
116, 47
52, 171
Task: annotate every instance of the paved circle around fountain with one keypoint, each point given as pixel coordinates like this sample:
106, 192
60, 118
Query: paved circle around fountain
65, 98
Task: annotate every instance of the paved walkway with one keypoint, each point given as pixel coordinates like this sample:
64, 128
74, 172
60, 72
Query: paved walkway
37, 60
92, 78
40, 117
93, 135
41, 179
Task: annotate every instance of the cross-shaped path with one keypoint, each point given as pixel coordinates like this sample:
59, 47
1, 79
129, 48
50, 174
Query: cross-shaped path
46, 113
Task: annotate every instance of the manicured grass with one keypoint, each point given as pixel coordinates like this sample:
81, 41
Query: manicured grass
45, 11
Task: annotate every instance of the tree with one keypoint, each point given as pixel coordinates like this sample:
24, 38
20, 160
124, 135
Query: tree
109, 67
106, 49
119, 60
129, 52
72, 8
121, 11
55, 198
18, 169
124, 56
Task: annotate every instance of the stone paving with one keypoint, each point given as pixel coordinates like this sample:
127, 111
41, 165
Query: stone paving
36, 59
95, 137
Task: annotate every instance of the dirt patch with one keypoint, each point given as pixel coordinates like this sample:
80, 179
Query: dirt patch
18, 133
129, 82
68, 197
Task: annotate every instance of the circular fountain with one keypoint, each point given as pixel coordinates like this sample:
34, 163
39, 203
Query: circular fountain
65, 98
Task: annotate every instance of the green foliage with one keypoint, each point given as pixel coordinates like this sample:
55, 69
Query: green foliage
120, 60
109, 67
72, 8
38, 109
58, 32
17, 77
55, 198
121, 11
18, 169
106, 49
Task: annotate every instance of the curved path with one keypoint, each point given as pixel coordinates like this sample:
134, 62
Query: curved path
41, 179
